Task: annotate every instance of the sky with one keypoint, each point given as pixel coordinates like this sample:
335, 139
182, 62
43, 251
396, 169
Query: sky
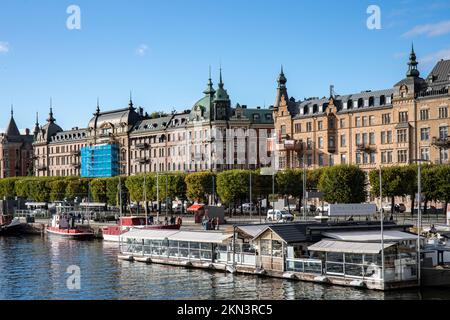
162, 50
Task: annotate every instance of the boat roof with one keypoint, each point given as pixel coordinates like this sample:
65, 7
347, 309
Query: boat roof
348, 247
175, 235
371, 236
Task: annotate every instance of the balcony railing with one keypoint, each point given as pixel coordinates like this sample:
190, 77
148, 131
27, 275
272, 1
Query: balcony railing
142, 146
364, 147
41, 167
143, 160
434, 92
441, 142
75, 152
75, 165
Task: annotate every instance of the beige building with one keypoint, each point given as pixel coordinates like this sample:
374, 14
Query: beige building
212, 135
371, 128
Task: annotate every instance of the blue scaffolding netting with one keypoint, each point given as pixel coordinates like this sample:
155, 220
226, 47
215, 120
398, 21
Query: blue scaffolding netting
100, 161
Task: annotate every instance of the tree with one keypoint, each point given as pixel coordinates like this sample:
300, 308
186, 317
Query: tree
290, 183
134, 184
199, 186
77, 188
98, 190
343, 184
58, 189
7, 188
444, 185
22, 187
233, 185
392, 185
409, 178
40, 189
430, 184
313, 178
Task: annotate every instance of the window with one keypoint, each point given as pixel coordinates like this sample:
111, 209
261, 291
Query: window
425, 153
343, 141
331, 160
343, 158
358, 139
320, 143
386, 118
443, 155
350, 104
309, 127
402, 156
321, 160
358, 122
365, 157
372, 157
330, 123
371, 120
424, 114
309, 160
358, 158
443, 112
425, 134
365, 138
364, 121
443, 133
371, 101
389, 136
342, 123
383, 137
382, 100
402, 136
403, 116
320, 125
298, 128
283, 130
372, 138
360, 103
309, 143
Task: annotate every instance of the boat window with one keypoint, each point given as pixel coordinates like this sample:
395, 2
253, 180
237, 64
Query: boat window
194, 245
205, 246
335, 256
265, 247
276, 248
353, 258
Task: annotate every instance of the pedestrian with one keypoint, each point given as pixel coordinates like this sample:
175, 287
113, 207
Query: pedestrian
166, 221
172, 220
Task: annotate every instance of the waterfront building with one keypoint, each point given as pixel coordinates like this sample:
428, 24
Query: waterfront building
212, 135
385, 127
16, 150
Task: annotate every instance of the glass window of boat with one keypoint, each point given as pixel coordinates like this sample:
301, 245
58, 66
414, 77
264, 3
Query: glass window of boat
173, 244
335, 257
194, 245
277, 248
183, 244
335, 267
354, 270
353, 258
265, 247
205, 246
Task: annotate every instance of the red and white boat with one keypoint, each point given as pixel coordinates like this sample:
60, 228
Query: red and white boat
60, 226
112, 233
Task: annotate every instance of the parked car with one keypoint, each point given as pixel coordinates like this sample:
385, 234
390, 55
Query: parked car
279, 216
398, 208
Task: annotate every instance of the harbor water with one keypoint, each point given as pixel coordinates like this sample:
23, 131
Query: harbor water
42, 268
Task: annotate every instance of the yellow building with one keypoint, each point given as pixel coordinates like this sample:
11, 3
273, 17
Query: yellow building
371, 128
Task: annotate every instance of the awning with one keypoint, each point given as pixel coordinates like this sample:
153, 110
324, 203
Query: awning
252, 230
188, 236
92, 204
195, 207
371, 236
35, 204
348, 247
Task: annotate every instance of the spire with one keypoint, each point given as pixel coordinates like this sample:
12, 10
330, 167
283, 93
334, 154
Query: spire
220, 80
412, 64
50, 115
12, 110
209, 88
281, 78
221, 94
130, 104
98, 106
12, 130
36, 125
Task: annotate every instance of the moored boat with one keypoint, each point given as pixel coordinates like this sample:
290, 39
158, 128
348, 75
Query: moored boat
60, 226
9, 225
112, 233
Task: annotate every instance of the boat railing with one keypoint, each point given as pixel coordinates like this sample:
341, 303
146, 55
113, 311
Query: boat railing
312, 266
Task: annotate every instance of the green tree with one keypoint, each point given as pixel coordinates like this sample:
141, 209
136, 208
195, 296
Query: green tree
199, 186
343, 184
58, 189
22, 187
290, 183
40, 189
77, 188
233, 186
7, 188
444, 185
97, 188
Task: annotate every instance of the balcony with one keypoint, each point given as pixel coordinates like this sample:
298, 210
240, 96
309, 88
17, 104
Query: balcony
365, 147
41, 167
75, 153
142, 146
441, 142
75, 165
143, 160
331, 149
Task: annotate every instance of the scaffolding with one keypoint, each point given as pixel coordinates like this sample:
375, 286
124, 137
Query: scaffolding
100, 161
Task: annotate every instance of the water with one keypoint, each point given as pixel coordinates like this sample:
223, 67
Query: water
35, 268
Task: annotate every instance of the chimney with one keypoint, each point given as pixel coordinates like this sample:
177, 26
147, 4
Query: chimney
27, 131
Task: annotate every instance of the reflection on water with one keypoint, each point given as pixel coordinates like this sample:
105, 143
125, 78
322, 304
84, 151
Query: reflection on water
35, 268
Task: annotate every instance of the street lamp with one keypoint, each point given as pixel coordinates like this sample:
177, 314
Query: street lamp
419, 218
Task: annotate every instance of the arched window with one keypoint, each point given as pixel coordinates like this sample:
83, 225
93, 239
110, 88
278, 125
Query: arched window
350, 104
305, 110
382, 100
371, 101
315, 108
360, 102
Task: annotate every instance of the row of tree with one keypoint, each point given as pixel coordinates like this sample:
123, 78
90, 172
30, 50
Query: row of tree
340, 184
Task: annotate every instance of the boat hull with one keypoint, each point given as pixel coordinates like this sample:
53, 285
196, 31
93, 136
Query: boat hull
434, 277
69, 235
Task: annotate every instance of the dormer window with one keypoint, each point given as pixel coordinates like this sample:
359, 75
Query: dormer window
350, 104
315, 108
382, 100
360, 102
305, 110
256, 116
371, 101
268, 116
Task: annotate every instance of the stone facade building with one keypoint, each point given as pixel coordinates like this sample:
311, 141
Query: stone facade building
372, 128
16, 151
212, 135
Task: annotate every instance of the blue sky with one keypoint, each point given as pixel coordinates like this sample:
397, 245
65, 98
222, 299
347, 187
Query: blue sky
319, 43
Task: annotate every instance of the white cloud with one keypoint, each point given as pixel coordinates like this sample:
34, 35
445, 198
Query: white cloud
142, 50
430, 30
435, 56
4, 47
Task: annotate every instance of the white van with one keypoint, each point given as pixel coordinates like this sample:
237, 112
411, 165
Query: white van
279, 216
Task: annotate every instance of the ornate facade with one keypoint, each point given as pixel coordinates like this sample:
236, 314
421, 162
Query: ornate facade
194, 140
372, 128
